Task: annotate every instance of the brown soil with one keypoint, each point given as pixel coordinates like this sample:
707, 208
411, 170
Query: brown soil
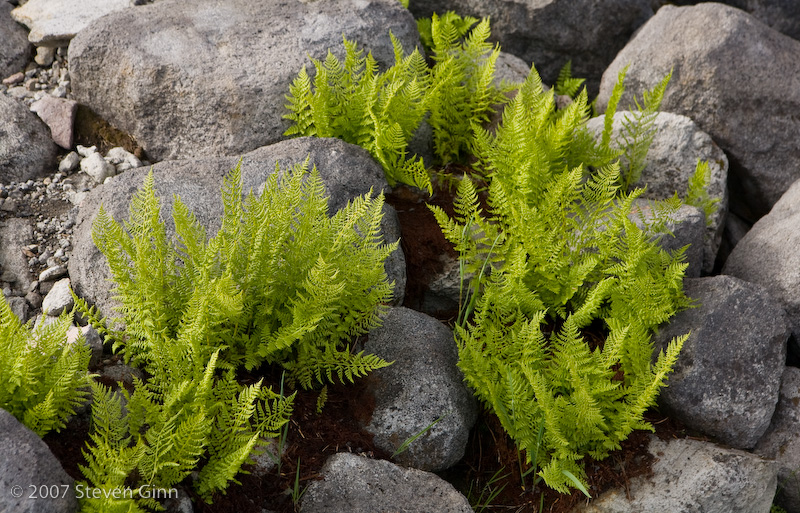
92, 130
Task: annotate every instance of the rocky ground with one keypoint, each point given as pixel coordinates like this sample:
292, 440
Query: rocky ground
94, 91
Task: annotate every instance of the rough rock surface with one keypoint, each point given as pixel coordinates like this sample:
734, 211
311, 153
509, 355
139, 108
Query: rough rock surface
59, 115
782, 15
55, 22
14, 47
687, 225
15, 234
671, 161
690, 476
359, 485
781, 442
721, 58
727, 378
26, 150
27, 464
551, 32
346, 170
190, 78
422, 385
768, 255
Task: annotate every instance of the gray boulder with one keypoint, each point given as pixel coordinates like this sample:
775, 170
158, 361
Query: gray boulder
551, 32
690, 476
28, 467
26, 149
55, 22
346, 170
721, 58
15, 234
782, 15
190, 78
781, 442
767, 255
727, 378
672, 159
422, 385
359, 485
14, 47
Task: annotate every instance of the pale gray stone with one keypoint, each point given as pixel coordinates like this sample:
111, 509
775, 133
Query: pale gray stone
26, 462
721, 58
781, 442
678, 144
356, 484
346, 170
768, 255
95, 166
782, 15
690, 476
55, 22
122, 159
70, 162
15, 234
727, 378
422, 385
91, 338
58, 114
52, 273
58, 299
14, 47
180, 75
45, 55
549, 33
26, 149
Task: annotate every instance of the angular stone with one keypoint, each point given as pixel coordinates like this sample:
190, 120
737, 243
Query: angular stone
59, 115
55, 22
727, 378
191, 78
346, 170
551, 32
95, 166
14, 47
359, 485
781, 442
26, 149
58, 299
677, 146
768, 256
721, 58
690, 476
26, 462
422, 385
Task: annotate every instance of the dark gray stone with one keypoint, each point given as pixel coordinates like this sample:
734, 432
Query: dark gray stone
422, 385
690, 476
782, 15
781, 442
26, 149
14, 47
190, 78
721, 58
727, 378
347, 171
767, 255
356, 484
26, 464
551, 32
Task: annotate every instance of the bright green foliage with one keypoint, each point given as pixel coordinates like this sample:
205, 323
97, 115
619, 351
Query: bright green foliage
461, 24
556, 253
281, 282
566, 84
43, 378
697, 192
355, 103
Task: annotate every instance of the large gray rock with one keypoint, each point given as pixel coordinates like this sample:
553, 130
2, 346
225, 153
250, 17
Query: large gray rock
782, 15
671, 161
189, 78
14, 47
28, 467
781, 442
727, 378
55, 22
721, 58
549, 33
768, 255
15, 234
356, 484
690, 476
422, 385
26, 149
347, 171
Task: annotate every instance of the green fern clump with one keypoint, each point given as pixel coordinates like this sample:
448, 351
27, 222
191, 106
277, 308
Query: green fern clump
554, 255
43, 378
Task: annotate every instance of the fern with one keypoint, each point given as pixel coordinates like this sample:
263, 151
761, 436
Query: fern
566, 84
697, 192
43, 379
